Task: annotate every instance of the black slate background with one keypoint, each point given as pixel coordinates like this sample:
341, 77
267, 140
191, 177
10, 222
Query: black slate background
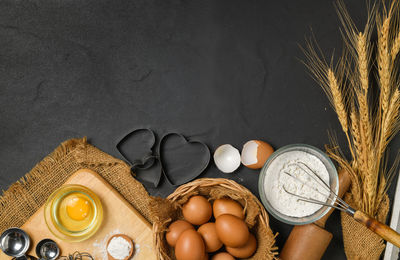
217, 71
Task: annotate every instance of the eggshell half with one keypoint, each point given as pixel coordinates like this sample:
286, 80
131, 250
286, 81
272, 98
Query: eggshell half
255, 153
227, 158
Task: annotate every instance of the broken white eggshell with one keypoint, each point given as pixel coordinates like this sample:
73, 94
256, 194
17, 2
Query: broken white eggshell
255, 153
227, 158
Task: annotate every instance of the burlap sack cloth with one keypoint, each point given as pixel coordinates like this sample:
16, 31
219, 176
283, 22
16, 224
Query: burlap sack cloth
360, 243
27, 195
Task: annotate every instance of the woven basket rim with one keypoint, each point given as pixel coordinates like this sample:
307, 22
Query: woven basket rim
184, 189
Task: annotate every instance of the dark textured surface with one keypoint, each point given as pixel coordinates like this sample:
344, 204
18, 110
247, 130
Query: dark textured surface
217, 71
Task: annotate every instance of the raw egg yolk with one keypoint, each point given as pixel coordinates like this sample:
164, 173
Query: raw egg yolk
78, 208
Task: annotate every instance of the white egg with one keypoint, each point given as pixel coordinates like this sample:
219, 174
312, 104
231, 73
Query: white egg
227, 158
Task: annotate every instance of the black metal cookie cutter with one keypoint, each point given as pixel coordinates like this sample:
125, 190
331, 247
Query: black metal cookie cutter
151, 167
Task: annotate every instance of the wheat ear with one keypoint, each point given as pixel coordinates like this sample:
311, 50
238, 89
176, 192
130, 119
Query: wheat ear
383, 63
394, 12
363, 69
337, 100
389, 125
395, 47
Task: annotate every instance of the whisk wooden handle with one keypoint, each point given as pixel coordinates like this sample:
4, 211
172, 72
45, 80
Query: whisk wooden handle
379, 228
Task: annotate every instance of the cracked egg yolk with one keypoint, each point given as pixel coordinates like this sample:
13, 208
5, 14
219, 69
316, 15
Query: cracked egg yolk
75, 212
78, 208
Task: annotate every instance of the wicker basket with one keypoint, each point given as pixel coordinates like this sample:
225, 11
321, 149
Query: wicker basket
168, 210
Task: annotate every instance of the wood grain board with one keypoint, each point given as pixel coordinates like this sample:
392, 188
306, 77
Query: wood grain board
119, 217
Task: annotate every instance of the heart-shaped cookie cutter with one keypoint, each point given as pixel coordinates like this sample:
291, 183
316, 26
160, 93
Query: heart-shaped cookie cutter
152, 159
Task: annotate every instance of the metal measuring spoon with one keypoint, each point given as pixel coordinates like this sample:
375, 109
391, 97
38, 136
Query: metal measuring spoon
47, 249
14, 242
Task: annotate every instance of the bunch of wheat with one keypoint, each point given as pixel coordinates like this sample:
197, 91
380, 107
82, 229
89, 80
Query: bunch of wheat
369, 118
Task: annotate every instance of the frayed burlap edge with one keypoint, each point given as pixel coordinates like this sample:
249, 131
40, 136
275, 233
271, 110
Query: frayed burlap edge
360, 243
23, 198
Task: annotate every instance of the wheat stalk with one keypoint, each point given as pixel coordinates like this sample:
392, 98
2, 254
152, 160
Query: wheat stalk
366, 157
355, 132
381, 190
362, 49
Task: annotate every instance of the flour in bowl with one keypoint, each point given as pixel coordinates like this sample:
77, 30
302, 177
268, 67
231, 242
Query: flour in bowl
276, 179
119, 247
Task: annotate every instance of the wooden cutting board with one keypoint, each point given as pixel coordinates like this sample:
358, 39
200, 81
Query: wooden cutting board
119, 217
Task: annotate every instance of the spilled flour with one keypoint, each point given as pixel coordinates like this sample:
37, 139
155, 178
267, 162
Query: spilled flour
303, 184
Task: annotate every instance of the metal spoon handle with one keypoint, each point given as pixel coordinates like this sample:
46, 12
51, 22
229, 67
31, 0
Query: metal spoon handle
25, 257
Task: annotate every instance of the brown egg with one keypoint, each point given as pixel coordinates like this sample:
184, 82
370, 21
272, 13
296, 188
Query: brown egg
205, 256
245, 251
255, 153
222, 256
210, 237
197, 210
227, 206
175, 229
231, 230
190, 246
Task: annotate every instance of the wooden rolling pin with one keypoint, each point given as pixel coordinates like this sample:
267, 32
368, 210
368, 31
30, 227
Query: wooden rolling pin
311, 241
